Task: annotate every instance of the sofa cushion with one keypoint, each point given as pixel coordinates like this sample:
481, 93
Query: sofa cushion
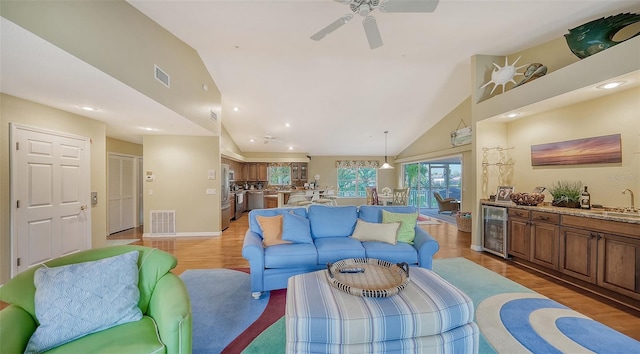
407, 232
253, 223
271, 227
373, 213
291, 255
400, 252
373, 231
74, 300
296, 228
333, 249
133, 337
332, 221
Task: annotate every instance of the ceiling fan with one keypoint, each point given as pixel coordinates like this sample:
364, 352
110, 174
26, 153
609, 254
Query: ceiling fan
270, 139
365, 7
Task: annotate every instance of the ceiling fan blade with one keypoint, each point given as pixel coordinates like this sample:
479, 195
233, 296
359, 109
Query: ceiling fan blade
332, 27
371, 30
408, 6
346, 2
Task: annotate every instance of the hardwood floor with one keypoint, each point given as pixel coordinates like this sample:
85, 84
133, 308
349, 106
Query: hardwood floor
225, 252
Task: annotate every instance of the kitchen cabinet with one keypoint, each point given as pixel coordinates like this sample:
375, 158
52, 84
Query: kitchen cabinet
299, 171
262, 171
605, 253
578, 253
270, 201
256, 171
534, 236
519, 235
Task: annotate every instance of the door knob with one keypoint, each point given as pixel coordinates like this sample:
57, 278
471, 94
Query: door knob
83, 207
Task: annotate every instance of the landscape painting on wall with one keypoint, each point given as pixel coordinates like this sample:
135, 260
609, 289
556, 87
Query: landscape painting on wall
601, 149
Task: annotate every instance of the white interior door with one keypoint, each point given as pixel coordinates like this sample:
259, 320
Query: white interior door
122, 191
50, 180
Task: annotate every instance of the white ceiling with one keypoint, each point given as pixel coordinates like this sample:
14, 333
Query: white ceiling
338, 95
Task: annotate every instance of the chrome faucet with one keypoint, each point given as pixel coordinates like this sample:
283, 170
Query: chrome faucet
633, 205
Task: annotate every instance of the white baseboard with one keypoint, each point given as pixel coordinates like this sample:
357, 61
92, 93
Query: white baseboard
185, 234
476, 248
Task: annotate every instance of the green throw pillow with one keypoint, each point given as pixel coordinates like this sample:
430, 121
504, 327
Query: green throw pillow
407, 231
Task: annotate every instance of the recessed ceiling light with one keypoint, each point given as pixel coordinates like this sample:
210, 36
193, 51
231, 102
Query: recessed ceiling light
512, 115
235, 109
148, 129
290, 147
610, 85
87, 108
252, 140
287, 125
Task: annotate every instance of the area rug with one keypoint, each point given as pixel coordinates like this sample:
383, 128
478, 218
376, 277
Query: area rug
511, 317
425, 220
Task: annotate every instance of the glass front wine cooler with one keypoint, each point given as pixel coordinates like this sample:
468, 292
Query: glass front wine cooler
494, 230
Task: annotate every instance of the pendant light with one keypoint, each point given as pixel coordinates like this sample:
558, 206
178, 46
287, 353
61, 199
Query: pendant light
386, 165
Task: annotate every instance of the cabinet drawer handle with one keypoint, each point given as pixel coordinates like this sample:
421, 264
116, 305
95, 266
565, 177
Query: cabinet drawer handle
544, 217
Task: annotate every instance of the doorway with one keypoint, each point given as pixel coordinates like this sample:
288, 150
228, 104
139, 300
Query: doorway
121, 189
423, 178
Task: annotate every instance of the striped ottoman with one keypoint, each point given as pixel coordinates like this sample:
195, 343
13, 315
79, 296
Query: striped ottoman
428, 316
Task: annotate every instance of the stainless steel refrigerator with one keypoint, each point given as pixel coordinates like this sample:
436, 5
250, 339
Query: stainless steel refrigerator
224, 198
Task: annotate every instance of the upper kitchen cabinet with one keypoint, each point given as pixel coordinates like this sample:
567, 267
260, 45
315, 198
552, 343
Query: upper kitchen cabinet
299, 171
255, 171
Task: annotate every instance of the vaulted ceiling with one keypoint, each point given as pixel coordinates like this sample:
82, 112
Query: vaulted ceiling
337, 95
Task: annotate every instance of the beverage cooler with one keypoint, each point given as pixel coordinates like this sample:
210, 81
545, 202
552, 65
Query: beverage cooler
494, 230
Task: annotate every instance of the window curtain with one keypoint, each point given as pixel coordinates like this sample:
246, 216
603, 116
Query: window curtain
357, 163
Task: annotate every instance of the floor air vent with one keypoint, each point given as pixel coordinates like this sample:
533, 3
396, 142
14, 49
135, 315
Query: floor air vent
163, 222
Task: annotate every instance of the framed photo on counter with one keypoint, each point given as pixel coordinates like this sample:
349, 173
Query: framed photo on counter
504, 192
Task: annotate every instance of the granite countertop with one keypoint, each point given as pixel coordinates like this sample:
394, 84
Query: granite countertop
602, 214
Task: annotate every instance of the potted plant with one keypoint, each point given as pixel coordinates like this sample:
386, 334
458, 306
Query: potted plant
566, 193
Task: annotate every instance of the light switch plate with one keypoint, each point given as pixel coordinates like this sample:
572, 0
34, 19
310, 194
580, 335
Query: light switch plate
211, 191
211, 174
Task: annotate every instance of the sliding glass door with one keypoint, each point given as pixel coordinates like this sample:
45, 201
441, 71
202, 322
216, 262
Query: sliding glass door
426, 177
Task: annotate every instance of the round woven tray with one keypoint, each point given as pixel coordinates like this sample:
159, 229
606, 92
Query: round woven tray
374, 277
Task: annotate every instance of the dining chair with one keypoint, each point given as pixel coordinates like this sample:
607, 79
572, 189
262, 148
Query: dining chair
328, 198
400, 196
309, 195
372, 196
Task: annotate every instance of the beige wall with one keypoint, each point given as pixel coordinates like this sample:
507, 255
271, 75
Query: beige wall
436, 143
180, 165
119, 40
16, 110
123, 147
612, 114
325, 166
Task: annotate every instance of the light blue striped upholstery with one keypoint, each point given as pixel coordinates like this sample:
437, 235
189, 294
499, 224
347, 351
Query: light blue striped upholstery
428, 315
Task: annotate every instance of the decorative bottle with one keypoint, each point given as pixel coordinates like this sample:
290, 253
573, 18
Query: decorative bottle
585, 199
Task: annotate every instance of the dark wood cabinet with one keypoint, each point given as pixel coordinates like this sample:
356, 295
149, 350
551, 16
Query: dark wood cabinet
578, 251
545, 234
262, 171
519, 237
533, 236
270, 201
619, 264
299, 171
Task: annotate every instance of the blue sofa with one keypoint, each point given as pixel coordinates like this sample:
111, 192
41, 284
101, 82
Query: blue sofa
330, 229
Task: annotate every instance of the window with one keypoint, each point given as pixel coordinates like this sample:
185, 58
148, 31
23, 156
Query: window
279, 175
355, 176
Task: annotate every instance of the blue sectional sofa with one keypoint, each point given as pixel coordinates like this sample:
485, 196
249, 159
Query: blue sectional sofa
330, 230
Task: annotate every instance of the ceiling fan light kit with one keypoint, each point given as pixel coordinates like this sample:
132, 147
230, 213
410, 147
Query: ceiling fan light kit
365, 7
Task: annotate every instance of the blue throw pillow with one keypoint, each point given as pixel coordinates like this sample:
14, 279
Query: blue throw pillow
295, 228
75, 300
332, 221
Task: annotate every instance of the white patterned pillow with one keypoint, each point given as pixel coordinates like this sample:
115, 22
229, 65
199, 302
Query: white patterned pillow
75, 300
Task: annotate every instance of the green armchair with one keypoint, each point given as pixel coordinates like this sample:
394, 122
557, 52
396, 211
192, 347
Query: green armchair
164, 302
